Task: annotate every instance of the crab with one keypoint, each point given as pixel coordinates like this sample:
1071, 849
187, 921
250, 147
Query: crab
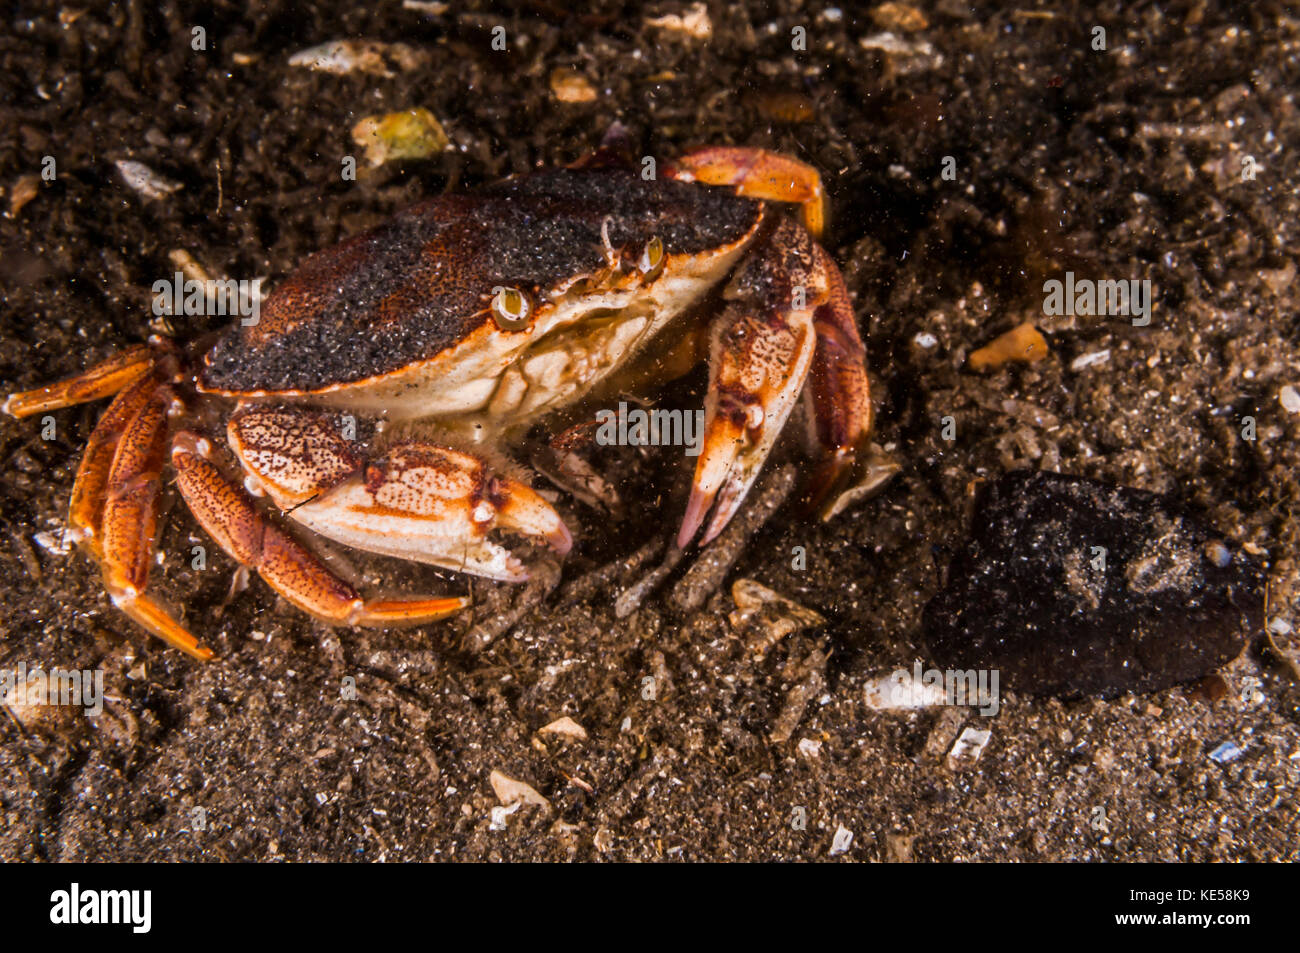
455, 325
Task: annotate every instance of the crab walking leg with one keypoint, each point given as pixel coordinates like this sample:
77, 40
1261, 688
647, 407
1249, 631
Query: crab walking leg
417, 501
840, 393
758, 174
129, 518
86, 510
761, 349
102, 380
250, 537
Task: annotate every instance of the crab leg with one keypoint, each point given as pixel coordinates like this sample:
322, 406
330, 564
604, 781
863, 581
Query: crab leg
758, 174
86, 511
840, 392
288, 567
761, 348
102, 380
127, 506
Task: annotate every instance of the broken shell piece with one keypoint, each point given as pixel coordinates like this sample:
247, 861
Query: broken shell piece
35, 706
56, 543
968, 748
499, 814
1226, 752
509, 791
1022, 343
809, 748
694, 23
899, 690
905, 57
410, 134
564, 726
877, 469
571, 87
145, 180
842, 841
766, 617
365, 56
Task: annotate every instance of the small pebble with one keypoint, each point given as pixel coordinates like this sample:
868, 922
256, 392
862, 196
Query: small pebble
568, 86
1024, 343
1289, 399
409, 134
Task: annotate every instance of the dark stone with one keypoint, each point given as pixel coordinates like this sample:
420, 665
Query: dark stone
1028, 595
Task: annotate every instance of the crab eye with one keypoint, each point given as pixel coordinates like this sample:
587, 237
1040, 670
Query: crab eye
511, 309
652, 259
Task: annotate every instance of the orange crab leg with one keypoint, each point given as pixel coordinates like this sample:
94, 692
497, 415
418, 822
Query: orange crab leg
250, 537
120, 515
86, 511
758, 174
102, 380
840, 393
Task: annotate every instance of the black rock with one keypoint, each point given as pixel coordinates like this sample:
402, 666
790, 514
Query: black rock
1070, 587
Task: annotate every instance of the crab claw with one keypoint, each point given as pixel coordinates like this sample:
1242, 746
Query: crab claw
520, 509
435, 505
417, 501
760, 351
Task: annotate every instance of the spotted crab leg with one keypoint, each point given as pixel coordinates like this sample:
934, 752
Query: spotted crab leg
761, 348
759, 174
252, 538
128, 510
86, 510
102, 380
416, 501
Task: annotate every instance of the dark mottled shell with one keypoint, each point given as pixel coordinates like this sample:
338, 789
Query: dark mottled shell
419, 284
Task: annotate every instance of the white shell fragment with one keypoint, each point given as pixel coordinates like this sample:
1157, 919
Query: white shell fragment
899, 690
1226, 752
842, 841
145, 180
1088, 360
341, 57
564, 726
969, 746
57, 543
909, 57
809, 748
1289, 399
